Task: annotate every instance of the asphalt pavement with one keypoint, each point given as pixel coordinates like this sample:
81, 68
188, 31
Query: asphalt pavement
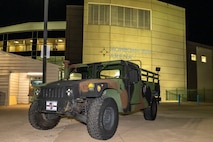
188, 122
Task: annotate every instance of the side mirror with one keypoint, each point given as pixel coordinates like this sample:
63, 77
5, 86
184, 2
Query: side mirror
157, 69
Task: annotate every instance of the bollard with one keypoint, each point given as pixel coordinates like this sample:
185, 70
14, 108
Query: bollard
198, 99
179, 99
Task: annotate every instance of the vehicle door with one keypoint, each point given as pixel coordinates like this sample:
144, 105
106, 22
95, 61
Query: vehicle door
134, 85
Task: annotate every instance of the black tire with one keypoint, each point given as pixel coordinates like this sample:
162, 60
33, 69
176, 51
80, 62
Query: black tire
102, 118
150, 112
148, 94
41, 121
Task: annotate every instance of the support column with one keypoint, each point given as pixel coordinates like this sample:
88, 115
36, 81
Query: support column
5, 38
74, 33
34, 44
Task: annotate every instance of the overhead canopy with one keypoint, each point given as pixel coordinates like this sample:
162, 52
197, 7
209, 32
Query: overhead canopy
33, 26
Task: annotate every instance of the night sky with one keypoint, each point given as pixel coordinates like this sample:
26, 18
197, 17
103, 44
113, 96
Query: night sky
199, 21
19, 11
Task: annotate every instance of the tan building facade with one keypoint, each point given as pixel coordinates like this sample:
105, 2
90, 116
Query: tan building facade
147, 30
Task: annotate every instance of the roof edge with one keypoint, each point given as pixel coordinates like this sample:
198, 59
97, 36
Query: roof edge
33, 26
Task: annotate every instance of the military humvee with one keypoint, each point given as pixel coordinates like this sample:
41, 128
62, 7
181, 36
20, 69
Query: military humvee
95, 94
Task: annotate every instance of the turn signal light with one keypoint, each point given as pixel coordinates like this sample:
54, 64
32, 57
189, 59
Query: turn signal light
91, 86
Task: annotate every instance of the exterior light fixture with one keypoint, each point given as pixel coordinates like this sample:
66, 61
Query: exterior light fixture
16, 41
60, 40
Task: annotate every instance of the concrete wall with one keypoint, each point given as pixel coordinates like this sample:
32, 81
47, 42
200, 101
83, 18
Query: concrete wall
4, 87
164, 45
13, 88
191, 66
204, 70
11, 63
199, 73
23, 92
14, 81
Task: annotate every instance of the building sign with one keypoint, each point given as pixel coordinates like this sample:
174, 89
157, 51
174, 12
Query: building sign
126, 53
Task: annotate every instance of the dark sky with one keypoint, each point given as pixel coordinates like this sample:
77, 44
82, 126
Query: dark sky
199, 21
18, 11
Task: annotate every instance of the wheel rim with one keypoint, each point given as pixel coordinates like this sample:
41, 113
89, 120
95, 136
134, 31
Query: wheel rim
108, 118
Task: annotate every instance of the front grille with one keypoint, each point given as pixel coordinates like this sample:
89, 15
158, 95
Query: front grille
57, 92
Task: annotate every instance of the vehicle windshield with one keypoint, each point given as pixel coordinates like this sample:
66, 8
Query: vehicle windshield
110, 71
92, 71
79, 73
115, 73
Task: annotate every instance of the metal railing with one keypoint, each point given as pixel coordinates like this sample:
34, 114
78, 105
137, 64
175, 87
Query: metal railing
184, 95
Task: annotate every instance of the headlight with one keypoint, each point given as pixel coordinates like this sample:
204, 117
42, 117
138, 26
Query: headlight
69, 92
95, 87
98, 88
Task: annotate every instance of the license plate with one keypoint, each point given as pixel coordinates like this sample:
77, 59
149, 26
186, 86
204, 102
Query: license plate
51, 105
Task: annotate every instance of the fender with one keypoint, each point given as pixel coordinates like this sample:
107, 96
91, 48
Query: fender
112, 93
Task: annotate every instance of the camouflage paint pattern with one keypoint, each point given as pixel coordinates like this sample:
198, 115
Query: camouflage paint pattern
116, 90
126, 101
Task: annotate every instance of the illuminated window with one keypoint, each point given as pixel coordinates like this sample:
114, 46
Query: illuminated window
203, 59
193, 57
22, 45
